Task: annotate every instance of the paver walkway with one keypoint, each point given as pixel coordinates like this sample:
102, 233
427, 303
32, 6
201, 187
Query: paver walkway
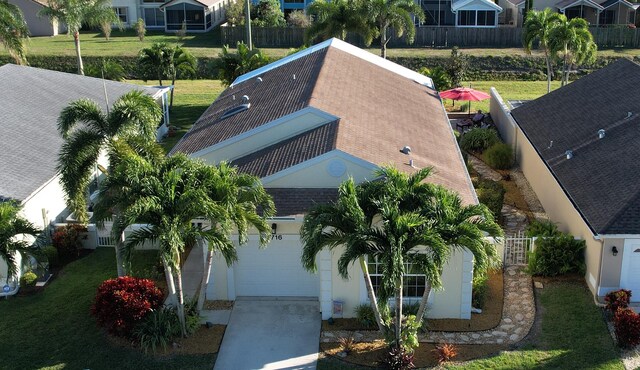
518, 314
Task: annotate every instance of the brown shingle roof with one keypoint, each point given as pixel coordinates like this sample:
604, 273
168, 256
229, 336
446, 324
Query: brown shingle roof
602, 177
289, 152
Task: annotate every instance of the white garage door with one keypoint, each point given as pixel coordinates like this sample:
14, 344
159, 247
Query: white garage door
275, 271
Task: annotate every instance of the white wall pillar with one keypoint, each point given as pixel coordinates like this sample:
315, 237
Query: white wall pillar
325, 271
466, 285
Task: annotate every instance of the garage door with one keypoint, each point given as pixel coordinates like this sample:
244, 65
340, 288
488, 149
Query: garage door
274, 271
630, 274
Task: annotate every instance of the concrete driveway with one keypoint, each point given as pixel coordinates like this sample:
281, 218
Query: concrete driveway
271, 334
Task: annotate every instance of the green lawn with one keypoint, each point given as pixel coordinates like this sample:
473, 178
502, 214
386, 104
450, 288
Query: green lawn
192, 98
54, 329
209, 44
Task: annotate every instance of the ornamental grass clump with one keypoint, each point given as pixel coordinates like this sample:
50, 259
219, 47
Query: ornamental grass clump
122, 303
478, 140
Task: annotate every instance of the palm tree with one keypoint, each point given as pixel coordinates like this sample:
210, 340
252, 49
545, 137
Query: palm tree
335, 19
76, 13
572, 39
13, 31
342, 223
12, 227
168, 194
232, 65
155, 61
183, 65
397, 14
240, 195
87, 131
538, 26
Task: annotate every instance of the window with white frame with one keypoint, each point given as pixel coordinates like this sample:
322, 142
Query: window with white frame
413, 282
476, 18
123, 13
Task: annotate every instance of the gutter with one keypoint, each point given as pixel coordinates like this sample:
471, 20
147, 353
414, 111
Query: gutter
595, 296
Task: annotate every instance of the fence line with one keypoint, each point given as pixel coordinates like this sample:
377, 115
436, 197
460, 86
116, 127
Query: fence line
289, 37
516, 249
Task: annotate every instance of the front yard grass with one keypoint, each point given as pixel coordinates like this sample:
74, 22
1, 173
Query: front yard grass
572, 335
55, 330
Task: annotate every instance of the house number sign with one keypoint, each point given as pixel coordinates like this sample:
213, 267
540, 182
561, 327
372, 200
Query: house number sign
276, 236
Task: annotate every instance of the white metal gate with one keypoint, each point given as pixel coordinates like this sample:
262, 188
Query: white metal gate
516, 249
104, 235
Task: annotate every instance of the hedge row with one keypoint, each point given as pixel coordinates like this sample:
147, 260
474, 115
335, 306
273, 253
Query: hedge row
480, 68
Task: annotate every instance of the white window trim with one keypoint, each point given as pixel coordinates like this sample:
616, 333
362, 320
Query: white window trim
495, 20
404, 281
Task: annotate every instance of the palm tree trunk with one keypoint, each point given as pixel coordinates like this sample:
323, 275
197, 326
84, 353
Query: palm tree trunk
76, 40
383, 42
565, 69
399, 313
546, 56
173, 87
120, 263
372, 294
205, 276
168, 274
180, 307
423, 302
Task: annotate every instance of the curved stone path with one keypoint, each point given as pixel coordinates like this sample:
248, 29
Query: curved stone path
518, 314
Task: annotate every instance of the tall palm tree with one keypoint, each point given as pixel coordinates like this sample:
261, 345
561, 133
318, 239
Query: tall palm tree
13, 31
538, 26
232, 65
572, 39
397, 14
12, 227
76, 13
87, 132
155, 61
240, 195
335, 19
168, 196
342, 224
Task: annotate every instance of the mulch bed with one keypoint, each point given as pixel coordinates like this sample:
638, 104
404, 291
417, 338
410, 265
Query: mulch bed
368, 353
218, 305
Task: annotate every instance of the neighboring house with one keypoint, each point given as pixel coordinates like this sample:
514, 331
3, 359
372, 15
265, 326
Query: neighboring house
38, 26
461, 13
31, 103
579, 147
199, 15
306, 123
596, 12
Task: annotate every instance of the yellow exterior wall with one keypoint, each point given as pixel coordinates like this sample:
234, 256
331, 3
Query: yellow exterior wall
348, 291
286, 129
611, 265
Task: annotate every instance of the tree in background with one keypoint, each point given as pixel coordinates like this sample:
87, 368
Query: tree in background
298, 19
13, 31
268, 14
231, 65
573, 41
76, 13
439, 76
381, 15
528, 7
107, 69
457, 67
235, 13
538, 26
155, 62
141, 28
334, 19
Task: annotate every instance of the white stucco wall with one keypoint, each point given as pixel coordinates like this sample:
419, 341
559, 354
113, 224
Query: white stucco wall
38, 26
49, 197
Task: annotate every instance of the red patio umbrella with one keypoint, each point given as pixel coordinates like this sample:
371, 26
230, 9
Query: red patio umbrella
464, 94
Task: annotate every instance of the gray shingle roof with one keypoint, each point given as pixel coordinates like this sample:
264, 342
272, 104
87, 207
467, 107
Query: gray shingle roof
297, 201
603, 177
31, 103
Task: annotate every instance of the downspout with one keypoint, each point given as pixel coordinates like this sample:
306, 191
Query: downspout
595, 296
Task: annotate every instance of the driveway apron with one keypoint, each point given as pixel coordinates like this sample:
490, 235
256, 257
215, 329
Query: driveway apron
271, 334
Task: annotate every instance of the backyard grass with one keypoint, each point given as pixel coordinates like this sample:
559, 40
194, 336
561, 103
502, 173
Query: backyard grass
573, 335
209, 45
54, 329
192, 98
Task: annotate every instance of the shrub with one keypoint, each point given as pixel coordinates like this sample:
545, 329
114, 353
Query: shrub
28, 279
298, 19
66, 240
479, 139
445, 352
499, 156
365, 315
438, 75
617, 299
408, 333
557, 255
51, 254
122, 303
398, 359
141, 28
410, 308
627, 327
479, 288
347, 344
544, 228
157, 329
192, 316
491, 194
106, 29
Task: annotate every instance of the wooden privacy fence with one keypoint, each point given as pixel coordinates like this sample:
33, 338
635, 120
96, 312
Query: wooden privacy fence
288, 37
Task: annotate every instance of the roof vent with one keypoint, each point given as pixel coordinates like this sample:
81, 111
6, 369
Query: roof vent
294, 76
569, 154
259, 79
629, 114
405, 150
245, 99
601, 134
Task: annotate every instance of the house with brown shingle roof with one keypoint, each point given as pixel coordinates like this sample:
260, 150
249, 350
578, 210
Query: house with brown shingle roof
579, 147
306, 123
